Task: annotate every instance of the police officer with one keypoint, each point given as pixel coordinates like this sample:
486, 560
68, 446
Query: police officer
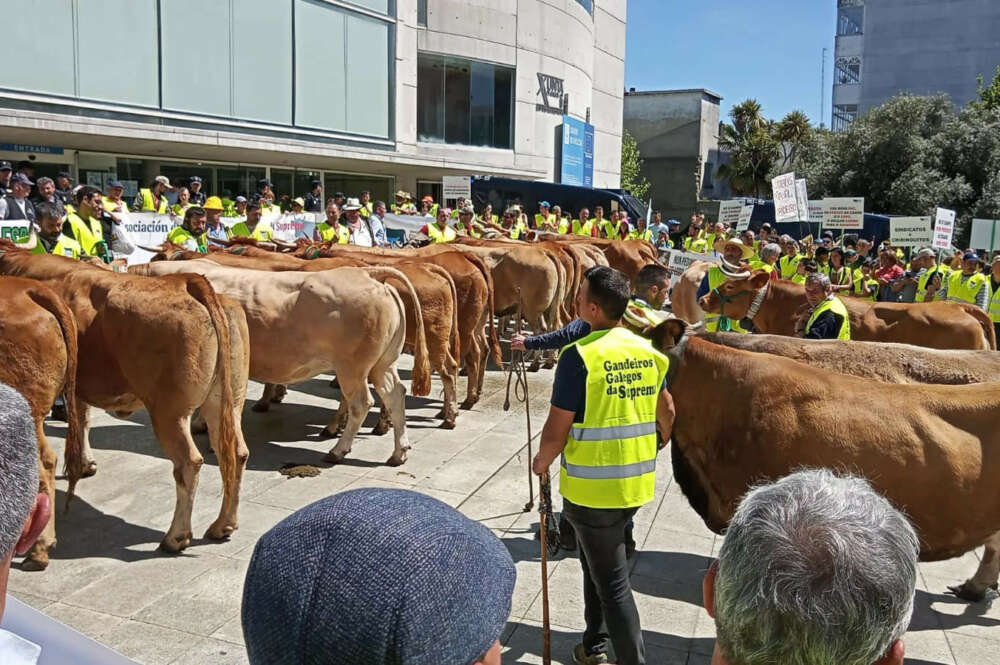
194, 187
64, 188
314, 199
6, 171
608, 401
191, 233
829, 318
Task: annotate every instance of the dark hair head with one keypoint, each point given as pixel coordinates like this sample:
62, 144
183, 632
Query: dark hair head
609, 290
822, 251
194, 211
85, 192
651, 275
810, 265
47, 210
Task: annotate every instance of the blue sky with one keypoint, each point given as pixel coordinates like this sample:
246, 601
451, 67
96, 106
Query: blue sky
770, 50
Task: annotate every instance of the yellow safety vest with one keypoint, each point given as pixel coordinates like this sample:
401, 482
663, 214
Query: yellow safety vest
147, 202
341, 234
493, 219
709, 242
440, 235
799, 279
539, 220
261, 233
845, 276
179, 210
967, 292
715, 279
760, 265
610, 231
89, 235
838, 307
610, 456
65, 246
995, 306
646, 235
367, 209
563, 225
862, 286
112, 206
639, 315
181, 236
583, 229
473, 230
697, 246
922, 282
516, 230
788, 265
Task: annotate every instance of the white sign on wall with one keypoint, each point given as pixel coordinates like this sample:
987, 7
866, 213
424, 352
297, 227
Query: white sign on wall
844, 213
816, 211
729, 212
944, 228
910, 231
746, 212
786, 207
456, 187
985, 234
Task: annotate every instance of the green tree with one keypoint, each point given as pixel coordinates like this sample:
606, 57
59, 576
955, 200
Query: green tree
632, 178
753, 146
989, 97
793, 130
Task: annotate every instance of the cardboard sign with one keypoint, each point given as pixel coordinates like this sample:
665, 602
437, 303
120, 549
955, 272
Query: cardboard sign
910, 231
786, 208
944, 228
985, 234
802, 199
816, 211
844, 213
729, 212
456, 187
746, 212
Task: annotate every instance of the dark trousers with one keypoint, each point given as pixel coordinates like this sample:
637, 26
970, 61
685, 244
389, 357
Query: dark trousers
609, 608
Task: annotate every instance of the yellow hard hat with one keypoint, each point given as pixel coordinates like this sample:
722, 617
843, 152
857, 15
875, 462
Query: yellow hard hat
213, 203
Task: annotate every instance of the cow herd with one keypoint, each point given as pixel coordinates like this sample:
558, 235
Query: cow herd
182, 335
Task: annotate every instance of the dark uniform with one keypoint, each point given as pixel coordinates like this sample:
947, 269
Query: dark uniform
5, 166
313, 202
197, 198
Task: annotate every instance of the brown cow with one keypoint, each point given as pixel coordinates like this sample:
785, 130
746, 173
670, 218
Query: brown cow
626, 256
932, 450
164, 344
38, 349
781, 304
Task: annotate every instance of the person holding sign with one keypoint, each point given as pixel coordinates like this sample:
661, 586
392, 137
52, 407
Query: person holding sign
967, 285
191, 233
609, 399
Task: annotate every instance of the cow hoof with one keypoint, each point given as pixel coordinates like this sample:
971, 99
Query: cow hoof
261, 407
326, 433
89, 469
397, 461
199, 428
468, 404
970, 591
534, 367
220, 531
174, 544
549, 364
448, 424
334, 383
36, 560
381, 428
334, 457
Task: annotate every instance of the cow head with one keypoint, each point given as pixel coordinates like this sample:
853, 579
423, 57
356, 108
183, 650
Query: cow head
734, 297
167, 251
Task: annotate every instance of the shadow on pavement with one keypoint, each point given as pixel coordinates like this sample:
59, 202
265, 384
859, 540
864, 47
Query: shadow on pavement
925, 617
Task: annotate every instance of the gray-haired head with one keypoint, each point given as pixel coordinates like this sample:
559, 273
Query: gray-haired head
815, 568
44, 180
771, 250
818, 279
18, 467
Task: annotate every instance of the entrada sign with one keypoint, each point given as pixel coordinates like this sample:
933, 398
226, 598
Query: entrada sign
551, 90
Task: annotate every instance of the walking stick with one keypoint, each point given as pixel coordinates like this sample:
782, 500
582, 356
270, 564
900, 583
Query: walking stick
521, 394
544, 516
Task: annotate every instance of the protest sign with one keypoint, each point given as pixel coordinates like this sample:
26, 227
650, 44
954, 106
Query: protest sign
816, 211
944, 228
456, 187
985, 234
729, 212
16, 230
786, 207
678, 261
743, 223
844, 213
802, 199
910, 231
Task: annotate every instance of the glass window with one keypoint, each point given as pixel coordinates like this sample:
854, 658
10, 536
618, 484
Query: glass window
367, 97
850, 20
239, 180
380, 6
587, 4
282, 184
320, 66
262, 77
848, 71
37, 63
303, 181
353, 185
196, 56
843, 116
422, 13
133, 24
464, 102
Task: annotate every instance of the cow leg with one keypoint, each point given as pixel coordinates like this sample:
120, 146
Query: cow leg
449, 380
174, 434
384, 421
393, 394
83, 420
38, 555
539, 326
264, 403
228, 519
359, 401
974, 589
339, 421
280, 390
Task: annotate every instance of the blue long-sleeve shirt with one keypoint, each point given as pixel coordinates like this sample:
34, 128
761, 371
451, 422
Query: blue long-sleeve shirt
575, 330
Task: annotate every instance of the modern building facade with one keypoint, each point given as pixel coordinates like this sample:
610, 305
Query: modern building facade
885, 47
364, 94
677, 132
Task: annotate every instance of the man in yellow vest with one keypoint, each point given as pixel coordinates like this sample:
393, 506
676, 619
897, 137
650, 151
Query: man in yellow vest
693, 242
583, 226
84, 223
440, 230
331, 230
994, 310
154, 197
734, 254
641, 232
609, 398
788, 264
51, 239
612, 228
467, 224
545, 220
191, 233
253, 227
829, 318
367, 205
967, 285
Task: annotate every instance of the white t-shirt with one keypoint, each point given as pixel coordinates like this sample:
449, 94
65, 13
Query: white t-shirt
361, 236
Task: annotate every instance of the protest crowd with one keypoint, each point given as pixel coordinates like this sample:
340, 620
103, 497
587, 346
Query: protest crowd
815, 566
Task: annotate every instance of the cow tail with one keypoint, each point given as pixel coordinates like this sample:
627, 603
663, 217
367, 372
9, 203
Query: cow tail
494, 341
420, 382
199, 289
986, 323
73, 464
455, 343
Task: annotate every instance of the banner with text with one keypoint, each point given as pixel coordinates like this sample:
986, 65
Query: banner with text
786, 208
743, 223
816, 211
456, 187
678, 261
844, 213
910, 231
729, 212
944, 228
985, 234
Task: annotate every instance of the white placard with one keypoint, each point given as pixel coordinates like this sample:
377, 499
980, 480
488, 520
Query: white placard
16, 230
150, 229
456, 187
746, 212
786, 208
911, 231
729, 212
944, 228
985, 234
844, 213
678, 261
802, 200
816, 211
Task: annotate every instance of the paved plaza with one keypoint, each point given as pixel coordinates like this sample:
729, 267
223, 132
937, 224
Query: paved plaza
108, 580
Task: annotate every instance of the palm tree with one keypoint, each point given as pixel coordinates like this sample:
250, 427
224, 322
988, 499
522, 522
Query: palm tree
792, 131
753, 148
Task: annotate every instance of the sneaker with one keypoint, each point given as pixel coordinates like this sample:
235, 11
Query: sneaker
581, 657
